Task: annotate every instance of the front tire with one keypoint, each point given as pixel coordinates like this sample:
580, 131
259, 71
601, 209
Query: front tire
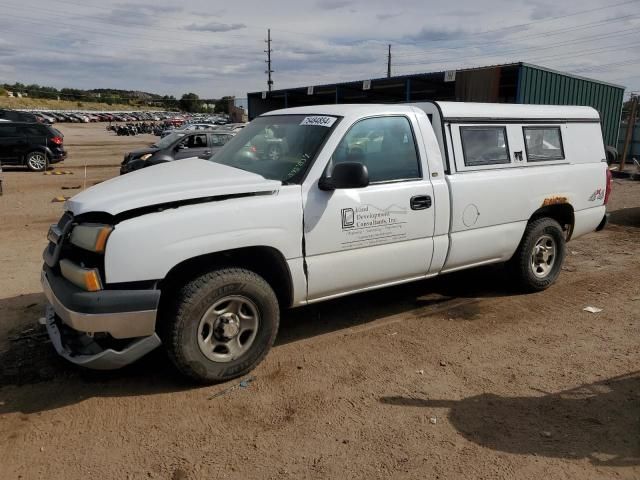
222, 325
539, 257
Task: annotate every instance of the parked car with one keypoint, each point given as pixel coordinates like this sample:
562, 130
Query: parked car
48, 118
230, 241
176, 146
17, 116
188, 128
33, 145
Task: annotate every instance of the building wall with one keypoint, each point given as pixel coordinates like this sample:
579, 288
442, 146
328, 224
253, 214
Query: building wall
544, 87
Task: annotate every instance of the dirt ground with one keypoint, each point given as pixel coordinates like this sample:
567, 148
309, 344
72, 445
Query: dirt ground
456, 377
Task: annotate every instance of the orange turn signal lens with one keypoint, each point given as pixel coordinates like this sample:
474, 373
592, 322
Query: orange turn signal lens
101, 239
86, 278
92, 237
92, 281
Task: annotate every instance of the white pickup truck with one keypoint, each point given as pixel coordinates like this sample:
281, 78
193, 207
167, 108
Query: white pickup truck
308, 204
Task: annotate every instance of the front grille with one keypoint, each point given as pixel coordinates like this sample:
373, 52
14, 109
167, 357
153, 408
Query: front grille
65, 220
54, 249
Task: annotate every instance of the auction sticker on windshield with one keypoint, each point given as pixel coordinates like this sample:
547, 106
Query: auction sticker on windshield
319, 121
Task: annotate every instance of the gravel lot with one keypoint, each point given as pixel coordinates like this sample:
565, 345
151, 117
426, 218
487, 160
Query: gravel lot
457, 377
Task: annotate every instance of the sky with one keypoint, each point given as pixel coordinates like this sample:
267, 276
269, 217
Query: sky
216, 48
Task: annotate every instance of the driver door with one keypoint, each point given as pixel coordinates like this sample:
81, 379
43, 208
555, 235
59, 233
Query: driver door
192, 146
380, 234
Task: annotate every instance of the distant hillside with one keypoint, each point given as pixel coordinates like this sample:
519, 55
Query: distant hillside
111, 97
44, 104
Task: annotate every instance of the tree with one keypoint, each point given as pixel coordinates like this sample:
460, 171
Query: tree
222, 105
190, 102
169, 102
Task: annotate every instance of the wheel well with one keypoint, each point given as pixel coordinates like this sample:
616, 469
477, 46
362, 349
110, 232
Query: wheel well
37, 149
561, 213
267, 262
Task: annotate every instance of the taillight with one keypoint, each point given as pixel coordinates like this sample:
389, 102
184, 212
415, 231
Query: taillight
254, 149
57, 140
608, 189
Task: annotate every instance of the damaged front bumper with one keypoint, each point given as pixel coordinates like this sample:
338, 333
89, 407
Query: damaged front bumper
83, 350
101, 330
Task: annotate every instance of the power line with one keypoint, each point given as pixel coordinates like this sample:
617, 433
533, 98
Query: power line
621, 33
548, 33
548, 19
629, 62
580, 53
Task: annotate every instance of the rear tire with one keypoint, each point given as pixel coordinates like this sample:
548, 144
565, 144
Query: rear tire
37, 161
539, 257
222, 325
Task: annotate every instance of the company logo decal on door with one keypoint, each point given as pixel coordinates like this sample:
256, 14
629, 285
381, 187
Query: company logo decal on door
368, 225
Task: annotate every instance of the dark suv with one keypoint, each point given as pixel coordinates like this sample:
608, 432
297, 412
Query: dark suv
17, 116
30, 144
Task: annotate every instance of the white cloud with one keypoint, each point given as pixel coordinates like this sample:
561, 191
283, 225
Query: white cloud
215, 27
173, 47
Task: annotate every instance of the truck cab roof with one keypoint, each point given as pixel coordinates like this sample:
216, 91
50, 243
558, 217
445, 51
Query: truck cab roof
453, 111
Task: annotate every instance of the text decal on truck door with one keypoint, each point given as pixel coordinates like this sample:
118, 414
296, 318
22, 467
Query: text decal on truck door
319, 121
368, 225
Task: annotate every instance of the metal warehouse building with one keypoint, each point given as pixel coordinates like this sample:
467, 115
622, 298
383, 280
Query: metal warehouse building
512, 83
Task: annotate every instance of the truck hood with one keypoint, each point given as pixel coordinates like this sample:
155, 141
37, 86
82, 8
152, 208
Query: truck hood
187, 179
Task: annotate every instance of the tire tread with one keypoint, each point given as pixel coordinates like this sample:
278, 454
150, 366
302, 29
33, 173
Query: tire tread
173, 323
519, 263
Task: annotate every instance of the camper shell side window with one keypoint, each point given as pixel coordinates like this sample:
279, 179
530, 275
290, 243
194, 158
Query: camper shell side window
484, 145
543, 143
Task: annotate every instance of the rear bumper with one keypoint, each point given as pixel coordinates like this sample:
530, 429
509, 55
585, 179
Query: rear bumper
603, 222
57, 155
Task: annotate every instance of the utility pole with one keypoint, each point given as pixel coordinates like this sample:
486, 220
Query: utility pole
268, 60
389, 63
631, 122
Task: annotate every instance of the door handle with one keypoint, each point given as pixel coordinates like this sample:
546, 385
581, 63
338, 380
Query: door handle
420, 202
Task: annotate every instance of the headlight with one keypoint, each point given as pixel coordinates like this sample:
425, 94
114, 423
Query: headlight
145, 156
92, 237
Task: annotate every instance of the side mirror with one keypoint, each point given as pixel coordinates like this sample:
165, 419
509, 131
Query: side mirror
346, 175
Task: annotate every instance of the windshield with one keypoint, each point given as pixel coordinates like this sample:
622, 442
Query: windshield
168, 140
278, 147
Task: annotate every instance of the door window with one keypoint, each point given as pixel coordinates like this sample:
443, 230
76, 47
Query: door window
484, 146
32, 131
543, 143
385, 145
194, 141
219, 140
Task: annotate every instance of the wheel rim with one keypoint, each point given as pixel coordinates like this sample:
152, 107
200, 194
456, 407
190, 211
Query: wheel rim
543, 256
228, 328
37, 161
274, 153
